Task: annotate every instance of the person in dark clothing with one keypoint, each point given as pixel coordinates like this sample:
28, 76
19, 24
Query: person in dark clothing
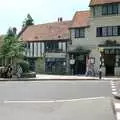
9, 71
100, 72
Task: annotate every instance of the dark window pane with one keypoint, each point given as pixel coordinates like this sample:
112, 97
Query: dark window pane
110, 31
104, 31
109, 9
82, 32
99, 32
115, 30
32, 48
105, 10
115, 8
118, 30
28, 45
77, 33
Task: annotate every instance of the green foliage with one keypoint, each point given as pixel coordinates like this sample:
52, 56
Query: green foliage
28, 21
24, 65
11, 48
40, 67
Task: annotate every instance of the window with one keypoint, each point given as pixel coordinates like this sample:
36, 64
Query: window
99, 31
96, 11
80, 33
104, 31
51, 46
110, 9
32, 48
108, 31
77, 33
115, 8
115, 30
28, 45
118, 30
104, 10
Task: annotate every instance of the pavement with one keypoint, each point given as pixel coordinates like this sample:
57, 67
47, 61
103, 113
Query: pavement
61, 77
73, 77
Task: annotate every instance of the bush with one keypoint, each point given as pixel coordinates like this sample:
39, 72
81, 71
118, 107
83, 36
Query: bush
24, 65
40, 65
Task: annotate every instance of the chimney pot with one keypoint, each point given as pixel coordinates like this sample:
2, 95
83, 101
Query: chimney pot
61, 19
58, 19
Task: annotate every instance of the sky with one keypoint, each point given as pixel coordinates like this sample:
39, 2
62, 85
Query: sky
13, 12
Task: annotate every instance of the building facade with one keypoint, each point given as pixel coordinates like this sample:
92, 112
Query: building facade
90, 41
47, 42
98, 31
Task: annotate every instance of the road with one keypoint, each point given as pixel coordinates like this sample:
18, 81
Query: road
53, 90
25, 100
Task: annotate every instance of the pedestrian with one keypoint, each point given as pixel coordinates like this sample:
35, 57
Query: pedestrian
19, 71
88, 68
100, 73
9, 71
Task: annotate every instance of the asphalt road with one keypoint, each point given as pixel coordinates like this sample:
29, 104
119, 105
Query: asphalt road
53, 90
94, 109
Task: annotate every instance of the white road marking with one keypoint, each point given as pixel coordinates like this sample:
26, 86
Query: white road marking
113, 87
115, 93
118, 115
117, 105
113, 84
52, 101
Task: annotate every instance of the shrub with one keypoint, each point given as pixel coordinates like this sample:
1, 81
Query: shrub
40, 65
24, 65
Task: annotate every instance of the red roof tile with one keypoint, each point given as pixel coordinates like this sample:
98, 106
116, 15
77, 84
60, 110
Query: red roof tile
99, 2
81, 19
49, 31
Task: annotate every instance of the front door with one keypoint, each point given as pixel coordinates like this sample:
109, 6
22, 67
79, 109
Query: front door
109, 61
80, 65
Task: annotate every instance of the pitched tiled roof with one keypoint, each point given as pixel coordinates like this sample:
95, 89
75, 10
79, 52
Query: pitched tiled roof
81, 19
98, 2
49, 31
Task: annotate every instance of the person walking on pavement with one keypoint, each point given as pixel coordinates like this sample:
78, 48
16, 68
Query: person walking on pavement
9, 71
19, 71
100, 72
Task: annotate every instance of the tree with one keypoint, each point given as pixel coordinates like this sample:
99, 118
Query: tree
11, 48
28, 21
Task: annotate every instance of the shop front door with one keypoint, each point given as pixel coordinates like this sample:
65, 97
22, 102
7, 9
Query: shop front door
80, 65
109, 61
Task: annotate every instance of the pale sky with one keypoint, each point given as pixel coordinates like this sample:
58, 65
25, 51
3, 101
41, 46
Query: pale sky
13, 12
